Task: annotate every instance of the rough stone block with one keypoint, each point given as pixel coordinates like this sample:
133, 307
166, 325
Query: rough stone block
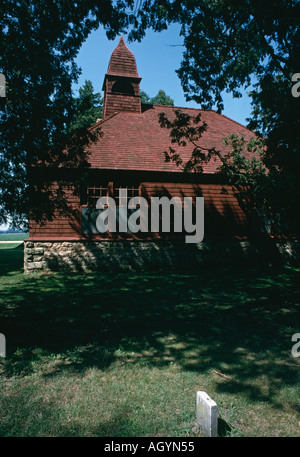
38, 258
34, 251
37, 265
207, 414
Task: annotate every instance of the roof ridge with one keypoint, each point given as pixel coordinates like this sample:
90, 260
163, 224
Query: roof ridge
101, 121
181, 107
208, 110
236, 122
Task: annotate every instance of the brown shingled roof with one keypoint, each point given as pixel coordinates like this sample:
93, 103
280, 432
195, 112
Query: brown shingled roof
134, 141
122, 61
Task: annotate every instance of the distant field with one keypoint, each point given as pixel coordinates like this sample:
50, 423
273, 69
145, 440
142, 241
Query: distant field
13, 236
9, 245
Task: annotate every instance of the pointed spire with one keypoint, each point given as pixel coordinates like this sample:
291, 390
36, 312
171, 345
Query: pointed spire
122, 61
122, 82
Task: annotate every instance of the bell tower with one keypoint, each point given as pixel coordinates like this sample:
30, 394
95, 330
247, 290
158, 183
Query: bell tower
121, 84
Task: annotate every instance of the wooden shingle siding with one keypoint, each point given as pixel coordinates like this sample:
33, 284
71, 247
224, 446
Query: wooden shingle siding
61, 225
223, 214
221, 206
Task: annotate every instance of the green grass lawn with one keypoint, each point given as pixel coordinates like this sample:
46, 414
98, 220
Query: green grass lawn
123, 354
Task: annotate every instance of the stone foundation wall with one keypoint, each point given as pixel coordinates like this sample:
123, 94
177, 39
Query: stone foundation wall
89, 256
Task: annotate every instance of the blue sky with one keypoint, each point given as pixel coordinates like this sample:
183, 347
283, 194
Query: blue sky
157, 59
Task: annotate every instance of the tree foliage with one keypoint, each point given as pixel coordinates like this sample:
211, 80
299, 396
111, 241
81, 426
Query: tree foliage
38, 46
88, 107
227, 41
144, 97
161, 98
232, 45
242, 166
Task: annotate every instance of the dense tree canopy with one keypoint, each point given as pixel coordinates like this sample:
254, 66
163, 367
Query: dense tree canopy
227, 41
39, 42
230, 45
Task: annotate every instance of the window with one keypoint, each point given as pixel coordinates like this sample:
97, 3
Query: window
131, 191
121, 195
123, 87
94, 192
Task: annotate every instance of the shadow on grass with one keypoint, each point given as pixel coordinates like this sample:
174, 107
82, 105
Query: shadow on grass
11, 258
223, 427
234, 319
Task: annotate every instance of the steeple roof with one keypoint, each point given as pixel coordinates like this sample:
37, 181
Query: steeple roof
122, 62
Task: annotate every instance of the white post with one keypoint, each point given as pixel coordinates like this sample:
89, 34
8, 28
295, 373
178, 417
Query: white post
2, 345
207, 414
2, 85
